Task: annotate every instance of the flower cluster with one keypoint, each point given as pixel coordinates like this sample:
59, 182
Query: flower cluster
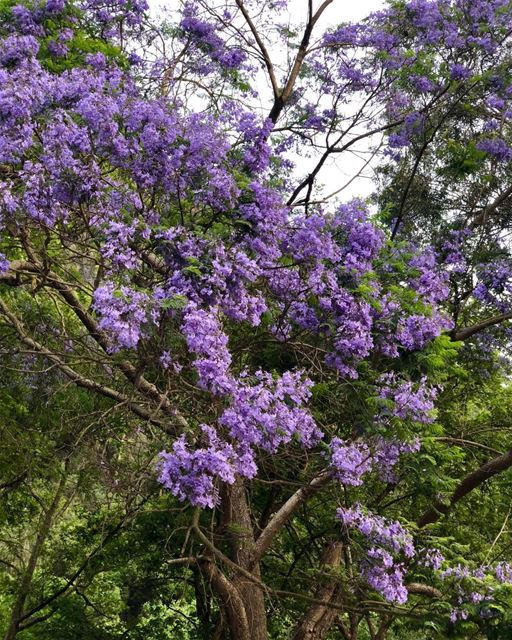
431, 282
387, 454
123, 314
205, 36
206, 339
404, 400
191, 474
350, 461
388, 542
494, 285
270, 413
265, 414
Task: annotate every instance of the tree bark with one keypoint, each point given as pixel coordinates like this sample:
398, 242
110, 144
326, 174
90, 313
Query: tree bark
230, 599
319, 618
467, 332
239, 529
285, 512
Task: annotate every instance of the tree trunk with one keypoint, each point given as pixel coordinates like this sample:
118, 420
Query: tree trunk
239, 530
231, 600
319, 618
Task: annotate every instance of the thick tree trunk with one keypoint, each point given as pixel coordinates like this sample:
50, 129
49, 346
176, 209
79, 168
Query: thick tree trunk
319, 618
231, 600
238, 527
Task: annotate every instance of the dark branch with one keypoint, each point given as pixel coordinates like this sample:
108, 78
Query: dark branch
467, 332
470, 482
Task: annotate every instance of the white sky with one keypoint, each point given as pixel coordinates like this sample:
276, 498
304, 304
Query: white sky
340, 10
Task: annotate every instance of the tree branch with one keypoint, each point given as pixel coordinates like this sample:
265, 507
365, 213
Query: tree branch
262, 48
74, 376
45, 524
467, 332
423, 590
282, 98
470, 482
281, 516
483, 216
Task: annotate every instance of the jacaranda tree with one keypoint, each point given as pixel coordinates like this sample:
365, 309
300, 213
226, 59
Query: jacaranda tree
312, 385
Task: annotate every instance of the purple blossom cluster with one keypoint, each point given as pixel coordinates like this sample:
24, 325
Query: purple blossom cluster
350, 461
206, 339
362, 239
404, 400
407, 132
109, 13
398, 399
496, 147
352, 245
270, 412
454, 250
124, 314
430, 282
4, 264
503, 572
417, 330
193, 473
387, 454
381, 531
264, 414
388, 544
205, 36
432, 558
494, 286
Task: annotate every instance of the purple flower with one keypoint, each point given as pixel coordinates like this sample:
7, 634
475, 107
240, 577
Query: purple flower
350, 461
193, 474
205, 338
459, 72
4, 264
388, 541
125, 314
405, 400
496, 147
269, 413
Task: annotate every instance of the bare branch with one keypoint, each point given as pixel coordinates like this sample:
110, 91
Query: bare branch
282, 98
263, 49
423, 590
483, 216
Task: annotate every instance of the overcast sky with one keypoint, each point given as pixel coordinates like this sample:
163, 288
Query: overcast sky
341, 10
